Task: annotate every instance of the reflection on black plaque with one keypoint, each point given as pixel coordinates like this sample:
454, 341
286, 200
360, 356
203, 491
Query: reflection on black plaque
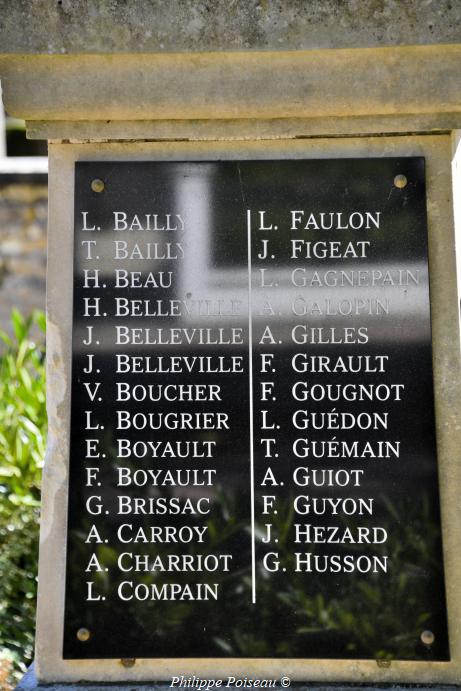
253, 467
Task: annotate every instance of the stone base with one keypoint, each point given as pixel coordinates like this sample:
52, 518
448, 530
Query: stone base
29, 683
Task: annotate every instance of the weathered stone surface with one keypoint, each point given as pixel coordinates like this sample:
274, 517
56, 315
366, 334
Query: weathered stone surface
104, 26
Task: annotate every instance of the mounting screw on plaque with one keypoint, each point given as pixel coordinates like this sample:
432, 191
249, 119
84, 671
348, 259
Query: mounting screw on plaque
97, 185
400, 181
128, 661
427, 637
83, 635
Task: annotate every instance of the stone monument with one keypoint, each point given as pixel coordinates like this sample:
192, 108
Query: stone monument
252, 474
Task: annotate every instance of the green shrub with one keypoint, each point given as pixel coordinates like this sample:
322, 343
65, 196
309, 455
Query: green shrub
22, 450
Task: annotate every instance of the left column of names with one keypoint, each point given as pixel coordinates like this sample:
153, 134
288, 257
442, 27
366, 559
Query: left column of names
155, 414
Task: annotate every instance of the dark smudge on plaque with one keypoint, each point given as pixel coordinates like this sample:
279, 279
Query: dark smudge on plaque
292, 513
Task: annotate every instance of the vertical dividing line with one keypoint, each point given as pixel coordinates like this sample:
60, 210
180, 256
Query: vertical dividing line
250, 384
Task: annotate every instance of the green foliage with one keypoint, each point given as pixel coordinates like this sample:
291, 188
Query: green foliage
22, 450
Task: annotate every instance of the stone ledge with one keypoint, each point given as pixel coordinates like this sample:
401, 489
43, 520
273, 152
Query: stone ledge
83, 131
29, 683
210, 86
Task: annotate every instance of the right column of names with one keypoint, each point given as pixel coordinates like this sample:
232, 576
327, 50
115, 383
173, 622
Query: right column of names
327, 402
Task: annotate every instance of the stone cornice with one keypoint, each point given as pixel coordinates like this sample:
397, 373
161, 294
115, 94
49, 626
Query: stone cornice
345, 83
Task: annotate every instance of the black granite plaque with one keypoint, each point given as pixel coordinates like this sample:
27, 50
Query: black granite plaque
253, 468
